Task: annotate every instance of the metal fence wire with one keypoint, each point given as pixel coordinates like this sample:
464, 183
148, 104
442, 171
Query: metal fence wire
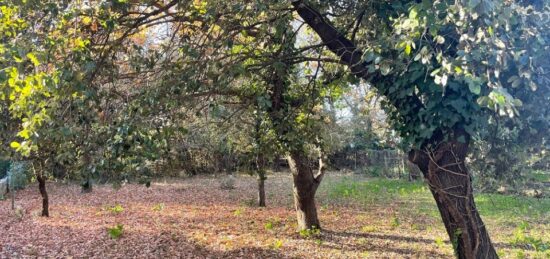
390, 163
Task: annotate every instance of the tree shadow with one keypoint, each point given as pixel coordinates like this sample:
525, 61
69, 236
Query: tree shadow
80, 242
407, 239
339, 239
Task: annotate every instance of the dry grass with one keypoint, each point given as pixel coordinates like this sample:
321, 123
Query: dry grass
194, 218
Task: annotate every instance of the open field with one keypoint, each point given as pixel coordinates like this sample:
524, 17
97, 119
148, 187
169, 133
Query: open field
361, 217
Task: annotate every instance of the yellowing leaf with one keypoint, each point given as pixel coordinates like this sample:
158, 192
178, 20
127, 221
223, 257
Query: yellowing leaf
24, 134
33, 59
200, 6
26, 91
408, 49
413, 13
86, 20
79, 43
15, 145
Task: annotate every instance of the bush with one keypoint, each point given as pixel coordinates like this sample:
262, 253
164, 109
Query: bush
116, 231
4, 168
20, 174
227, 183
374, 171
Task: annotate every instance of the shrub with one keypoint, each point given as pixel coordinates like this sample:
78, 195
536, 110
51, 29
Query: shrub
116, 231
4, 168
374, 171
158, 207
227, 183
20, 174
117, 209
310, 232
277, 244
268, 225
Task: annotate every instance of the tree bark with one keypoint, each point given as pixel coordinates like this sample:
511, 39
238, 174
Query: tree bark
450, 182
305, 187
44, 193
443, 166
261, 191
42, 188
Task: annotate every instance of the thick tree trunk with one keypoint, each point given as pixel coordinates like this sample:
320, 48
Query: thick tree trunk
450, 183
87, 186
42, 187
261, 191
305, 187
443, 166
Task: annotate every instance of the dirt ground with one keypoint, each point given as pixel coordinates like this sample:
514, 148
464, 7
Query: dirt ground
195, 218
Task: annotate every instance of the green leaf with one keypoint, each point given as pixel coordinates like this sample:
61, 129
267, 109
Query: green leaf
385, 69
474, 88
116, 231
413, 13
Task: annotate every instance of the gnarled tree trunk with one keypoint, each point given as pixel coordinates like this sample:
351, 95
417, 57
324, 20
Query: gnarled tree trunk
443, 166
305, 187
450, 183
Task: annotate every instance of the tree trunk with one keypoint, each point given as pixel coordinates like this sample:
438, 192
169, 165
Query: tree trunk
305, 187
86, 186
442, 166
44, 193
13, 199
261, 191
450, 183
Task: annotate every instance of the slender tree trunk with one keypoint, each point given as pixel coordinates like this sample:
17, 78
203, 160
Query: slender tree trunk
305, 187
261, 191
42, 187
450, 183
13, 199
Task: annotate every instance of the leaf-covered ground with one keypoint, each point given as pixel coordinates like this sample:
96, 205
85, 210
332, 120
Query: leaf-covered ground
195, 218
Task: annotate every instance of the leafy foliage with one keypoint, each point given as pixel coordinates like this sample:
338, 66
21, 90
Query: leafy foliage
20, 174
116, 231
4, 168
117, 209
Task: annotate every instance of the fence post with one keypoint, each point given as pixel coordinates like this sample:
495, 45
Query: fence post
13, 200
403, 164
355, 162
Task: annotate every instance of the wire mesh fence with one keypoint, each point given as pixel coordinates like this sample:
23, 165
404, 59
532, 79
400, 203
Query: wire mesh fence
390, 163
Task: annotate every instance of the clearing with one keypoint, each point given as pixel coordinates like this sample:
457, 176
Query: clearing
362, 218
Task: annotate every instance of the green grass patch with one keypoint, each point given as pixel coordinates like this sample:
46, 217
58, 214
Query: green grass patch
377, 191
540, 176
512, 207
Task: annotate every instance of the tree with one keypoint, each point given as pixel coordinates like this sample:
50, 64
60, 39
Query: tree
437, 93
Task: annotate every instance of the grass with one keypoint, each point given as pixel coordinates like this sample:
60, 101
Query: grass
361, 217
377, 191
540, 176
505, 215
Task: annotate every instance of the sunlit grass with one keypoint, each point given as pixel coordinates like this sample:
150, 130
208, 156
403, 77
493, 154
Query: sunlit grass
381, 191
